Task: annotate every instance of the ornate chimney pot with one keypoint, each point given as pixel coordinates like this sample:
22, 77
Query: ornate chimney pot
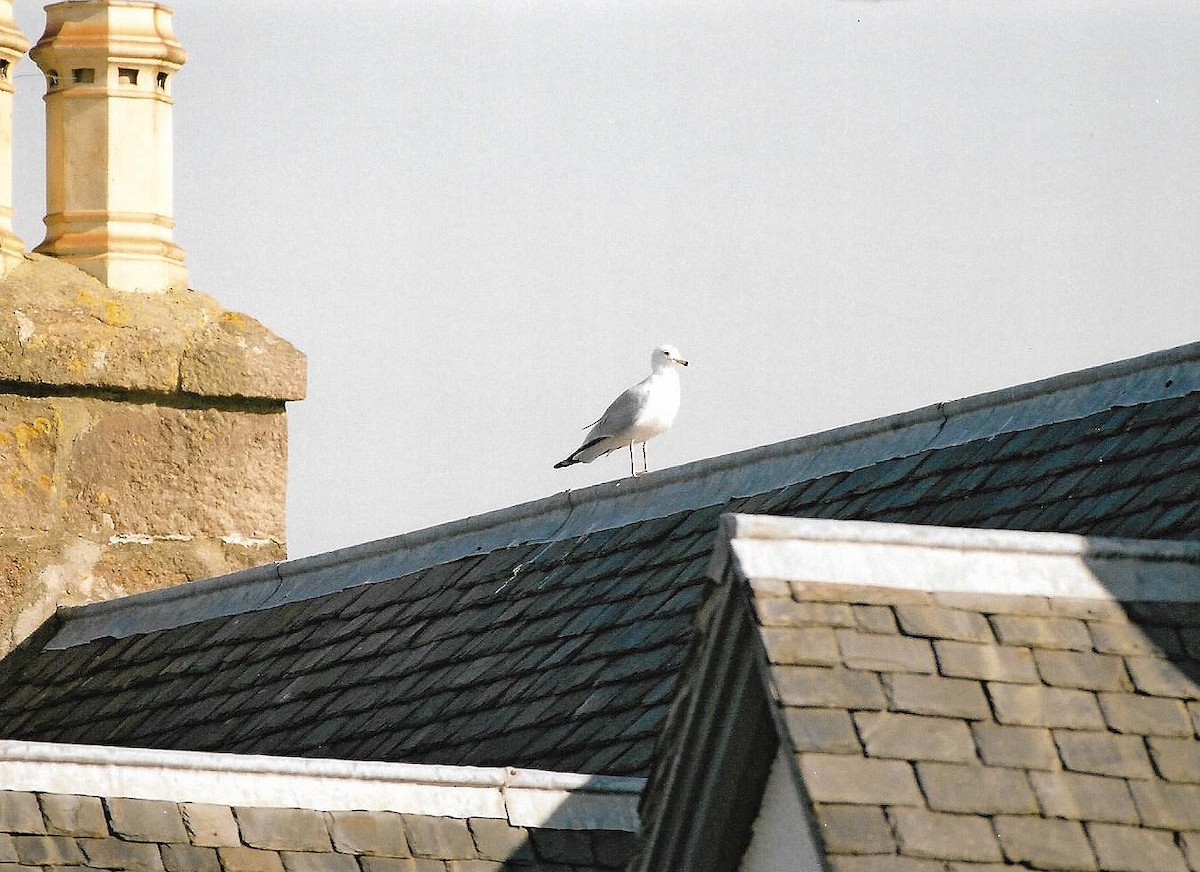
109, 66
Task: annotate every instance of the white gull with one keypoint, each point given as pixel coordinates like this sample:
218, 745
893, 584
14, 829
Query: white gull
642, 412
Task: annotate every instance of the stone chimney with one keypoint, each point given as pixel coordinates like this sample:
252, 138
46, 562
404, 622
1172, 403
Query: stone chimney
12, 46
143, 430
109, 68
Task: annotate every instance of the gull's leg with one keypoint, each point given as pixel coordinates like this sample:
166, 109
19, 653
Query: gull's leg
645, 465
631, 470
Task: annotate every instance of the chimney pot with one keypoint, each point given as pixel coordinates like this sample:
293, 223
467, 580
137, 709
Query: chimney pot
109, 160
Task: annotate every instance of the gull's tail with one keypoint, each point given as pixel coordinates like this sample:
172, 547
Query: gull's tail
581, 454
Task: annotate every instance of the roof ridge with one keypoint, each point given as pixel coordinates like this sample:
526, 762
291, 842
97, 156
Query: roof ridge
524, 797
955, 559
1159, 375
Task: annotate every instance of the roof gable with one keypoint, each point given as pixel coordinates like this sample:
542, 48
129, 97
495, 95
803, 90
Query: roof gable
550, 635
945, 696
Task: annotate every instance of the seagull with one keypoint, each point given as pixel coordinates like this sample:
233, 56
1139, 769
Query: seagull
642, 412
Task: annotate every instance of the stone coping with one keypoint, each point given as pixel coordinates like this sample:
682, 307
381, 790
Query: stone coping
1160, 375
63, 331
956, 560
523, 797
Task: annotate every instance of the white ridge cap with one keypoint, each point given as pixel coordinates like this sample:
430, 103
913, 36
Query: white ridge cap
524, 797
955, 559
1163, 374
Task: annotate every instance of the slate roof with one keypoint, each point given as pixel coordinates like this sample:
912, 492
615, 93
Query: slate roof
550, 635
54, 830
933, 707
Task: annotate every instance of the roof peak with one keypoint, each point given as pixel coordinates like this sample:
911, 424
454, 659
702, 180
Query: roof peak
1147, 378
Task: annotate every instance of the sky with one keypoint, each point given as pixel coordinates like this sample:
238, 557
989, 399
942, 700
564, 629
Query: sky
478, 218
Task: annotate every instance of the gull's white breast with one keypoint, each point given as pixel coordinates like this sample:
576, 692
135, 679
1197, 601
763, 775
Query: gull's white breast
660, 407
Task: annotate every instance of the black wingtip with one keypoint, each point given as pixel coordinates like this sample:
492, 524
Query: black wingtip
563, 463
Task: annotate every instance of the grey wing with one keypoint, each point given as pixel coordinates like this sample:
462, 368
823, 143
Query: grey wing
619, 416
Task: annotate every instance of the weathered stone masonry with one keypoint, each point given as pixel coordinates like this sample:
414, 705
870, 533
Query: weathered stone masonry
144, 433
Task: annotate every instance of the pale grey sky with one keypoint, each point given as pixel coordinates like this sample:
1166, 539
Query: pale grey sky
478, 218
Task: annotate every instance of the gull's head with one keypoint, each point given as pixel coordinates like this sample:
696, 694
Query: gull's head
665, 357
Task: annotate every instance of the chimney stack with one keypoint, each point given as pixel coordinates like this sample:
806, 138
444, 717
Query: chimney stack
109, 66
13, 45
143, 427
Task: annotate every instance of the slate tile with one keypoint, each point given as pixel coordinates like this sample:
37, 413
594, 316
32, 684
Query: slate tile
283, 828
1124, 638
875, 619
1167, 806
943, 623
828, 688
442, 838
70, 815
1164, 613
37, 850
499, 840
144, 820
298, 861
635, 760
851, 779
1145, 715
210, 825
824, 730
1017, 747
639, 663
1135, 849
701, 521
1157, 677
934, 695
1045, 706
603, 757
1103, 753
915, 737
922, 833
110, 853
562, 846
189, 858
20, 813
989, 662
1176, 759
249, 860
1045, 843
1084, 670
1042, 632
801, 646
884, 652
975, 789
368, 832
854, 829
1084, 797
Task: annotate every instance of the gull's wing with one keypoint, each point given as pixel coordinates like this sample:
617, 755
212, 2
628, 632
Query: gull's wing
607, 433
620, 414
